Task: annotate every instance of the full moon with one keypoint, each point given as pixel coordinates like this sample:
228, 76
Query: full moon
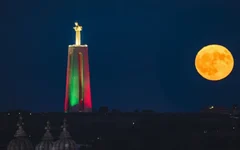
214, 62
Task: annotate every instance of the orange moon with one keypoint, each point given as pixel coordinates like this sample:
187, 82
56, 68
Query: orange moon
214, 62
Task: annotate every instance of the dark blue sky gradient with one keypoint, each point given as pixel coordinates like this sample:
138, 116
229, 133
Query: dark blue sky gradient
141, 52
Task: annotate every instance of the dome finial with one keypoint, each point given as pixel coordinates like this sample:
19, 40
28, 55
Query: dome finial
47, 135
47, 128
64, 126
65, 133
20, 132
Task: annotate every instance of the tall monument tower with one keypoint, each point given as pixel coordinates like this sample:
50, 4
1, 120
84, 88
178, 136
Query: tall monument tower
78, 92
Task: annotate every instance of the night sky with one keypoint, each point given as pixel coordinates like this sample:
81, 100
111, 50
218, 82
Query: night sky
141, 52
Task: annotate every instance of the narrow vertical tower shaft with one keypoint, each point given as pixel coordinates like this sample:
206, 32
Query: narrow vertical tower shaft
78, 92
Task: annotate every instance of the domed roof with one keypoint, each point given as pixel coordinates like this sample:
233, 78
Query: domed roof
65, 142
47, 140
20, 142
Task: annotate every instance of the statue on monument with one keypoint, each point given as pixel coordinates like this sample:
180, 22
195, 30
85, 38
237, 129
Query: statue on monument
78, 30
77, 27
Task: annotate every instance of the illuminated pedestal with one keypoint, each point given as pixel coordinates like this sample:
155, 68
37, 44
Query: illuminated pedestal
78, 92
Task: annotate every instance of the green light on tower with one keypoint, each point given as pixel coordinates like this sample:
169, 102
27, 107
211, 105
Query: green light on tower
74, 81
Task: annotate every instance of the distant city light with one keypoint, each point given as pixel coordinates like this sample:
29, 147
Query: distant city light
211, 107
